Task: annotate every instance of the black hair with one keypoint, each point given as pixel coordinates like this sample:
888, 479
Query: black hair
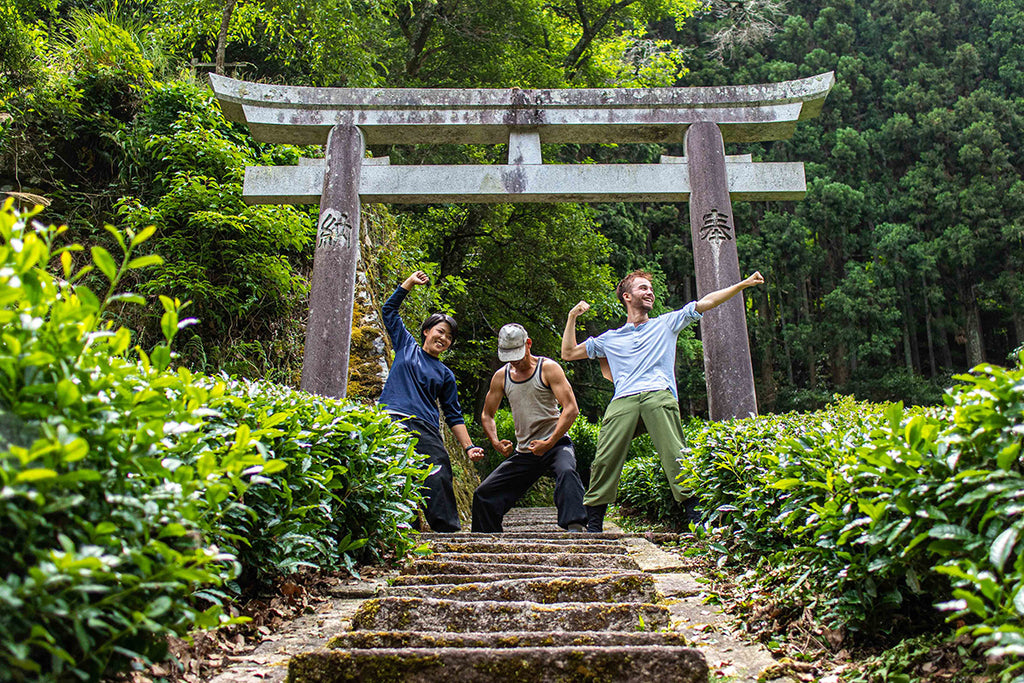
436, 319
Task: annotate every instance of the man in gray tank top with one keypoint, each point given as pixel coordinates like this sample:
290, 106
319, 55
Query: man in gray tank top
535, 387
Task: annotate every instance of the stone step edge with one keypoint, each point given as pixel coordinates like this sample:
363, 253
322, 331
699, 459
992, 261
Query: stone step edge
363, 640
627, 587
582, 560
639, 664
541, 579
497, 547
506, 604
470, 568
436, 579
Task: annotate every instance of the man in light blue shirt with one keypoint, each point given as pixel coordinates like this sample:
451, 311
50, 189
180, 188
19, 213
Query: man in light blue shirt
641, 356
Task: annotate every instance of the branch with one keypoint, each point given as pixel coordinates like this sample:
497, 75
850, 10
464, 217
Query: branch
575, 57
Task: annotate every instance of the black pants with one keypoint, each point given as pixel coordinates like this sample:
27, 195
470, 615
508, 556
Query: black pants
438, 495
512, 479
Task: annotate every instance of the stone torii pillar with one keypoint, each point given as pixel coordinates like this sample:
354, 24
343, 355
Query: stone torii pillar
332, 292
727, 367
348, 119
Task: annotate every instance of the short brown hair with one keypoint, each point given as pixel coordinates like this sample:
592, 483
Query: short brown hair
626, 283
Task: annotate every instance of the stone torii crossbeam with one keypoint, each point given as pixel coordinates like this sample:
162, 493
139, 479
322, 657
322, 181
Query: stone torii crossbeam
346, 120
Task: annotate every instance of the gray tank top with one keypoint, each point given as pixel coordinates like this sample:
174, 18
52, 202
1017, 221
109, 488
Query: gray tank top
534, 408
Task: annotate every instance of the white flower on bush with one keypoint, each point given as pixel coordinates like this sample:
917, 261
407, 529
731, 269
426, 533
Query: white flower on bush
179, 427
30, 323
13, 281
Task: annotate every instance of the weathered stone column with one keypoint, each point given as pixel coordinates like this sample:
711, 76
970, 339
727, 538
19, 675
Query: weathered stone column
329, 330
727, 367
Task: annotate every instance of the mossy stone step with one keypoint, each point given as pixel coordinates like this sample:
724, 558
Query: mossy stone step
435, 579
474, 546
641, 664
632, 587
423, 567
530, 535
361, 640
428, 614
550, 559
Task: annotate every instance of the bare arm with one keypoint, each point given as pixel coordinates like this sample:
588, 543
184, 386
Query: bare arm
570, 349
554, 377
606, 370
462, 435
495, 392
720, 296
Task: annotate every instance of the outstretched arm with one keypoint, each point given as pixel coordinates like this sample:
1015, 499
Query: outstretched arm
494, 395
554, 377
400, 337
570, 349
720, 296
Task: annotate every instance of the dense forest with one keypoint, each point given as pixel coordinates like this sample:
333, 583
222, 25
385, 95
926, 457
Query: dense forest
903, 265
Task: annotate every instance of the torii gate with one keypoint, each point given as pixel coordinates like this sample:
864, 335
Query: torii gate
347, 119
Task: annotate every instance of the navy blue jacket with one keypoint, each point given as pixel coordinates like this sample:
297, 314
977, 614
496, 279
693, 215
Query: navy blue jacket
417, 380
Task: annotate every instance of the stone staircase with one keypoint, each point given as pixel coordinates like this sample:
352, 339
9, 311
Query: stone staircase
533, 604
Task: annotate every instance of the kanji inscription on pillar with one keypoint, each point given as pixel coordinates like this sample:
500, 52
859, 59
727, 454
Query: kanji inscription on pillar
715, 227
335, 230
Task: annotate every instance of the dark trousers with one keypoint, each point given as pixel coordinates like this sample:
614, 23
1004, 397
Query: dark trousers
512, 479
438, 495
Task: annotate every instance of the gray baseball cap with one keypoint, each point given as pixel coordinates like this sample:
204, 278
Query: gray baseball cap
512, 342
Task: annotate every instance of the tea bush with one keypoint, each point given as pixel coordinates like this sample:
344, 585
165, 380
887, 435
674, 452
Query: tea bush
136, 500
871, 513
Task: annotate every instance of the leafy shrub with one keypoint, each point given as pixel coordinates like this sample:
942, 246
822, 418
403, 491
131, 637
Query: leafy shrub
644, 489
348, 488
242, 267
584, 438
102, 544
870, 512
136, 501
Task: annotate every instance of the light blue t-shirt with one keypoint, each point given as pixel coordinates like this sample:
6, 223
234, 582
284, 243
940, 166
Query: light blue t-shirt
643, 357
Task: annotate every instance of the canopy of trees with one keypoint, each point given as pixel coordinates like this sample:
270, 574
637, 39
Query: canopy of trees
901, 266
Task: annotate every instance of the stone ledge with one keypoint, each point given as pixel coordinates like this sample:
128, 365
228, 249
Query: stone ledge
509, 639
616, 664
632, 587
428, 614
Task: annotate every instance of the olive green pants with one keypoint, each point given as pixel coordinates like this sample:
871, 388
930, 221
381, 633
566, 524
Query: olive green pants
659, 411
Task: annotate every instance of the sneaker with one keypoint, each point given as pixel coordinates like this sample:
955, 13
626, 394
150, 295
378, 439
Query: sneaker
576, 528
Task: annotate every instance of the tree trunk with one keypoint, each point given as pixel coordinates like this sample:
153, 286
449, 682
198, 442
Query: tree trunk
838, 359
222, 37
811, 360
1018, 326
909, 330
943, 341
928, 328
785, 337
768, 389
972, 327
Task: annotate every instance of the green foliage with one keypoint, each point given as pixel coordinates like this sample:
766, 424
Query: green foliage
872, 513
137, 501
239, 265
18, 51
644, 490
101, 547
349, 481
537, 261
